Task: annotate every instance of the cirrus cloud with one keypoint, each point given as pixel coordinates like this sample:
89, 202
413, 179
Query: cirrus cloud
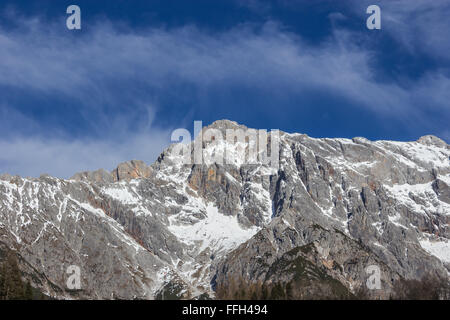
112, 78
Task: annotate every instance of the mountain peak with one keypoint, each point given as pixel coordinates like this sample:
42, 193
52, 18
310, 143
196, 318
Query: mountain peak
131, 170
432, 140
128, 170
226, 124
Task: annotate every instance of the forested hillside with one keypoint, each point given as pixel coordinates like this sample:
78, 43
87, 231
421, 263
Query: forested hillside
12, 286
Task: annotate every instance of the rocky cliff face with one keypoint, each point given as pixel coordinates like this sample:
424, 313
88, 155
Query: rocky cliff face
178, 230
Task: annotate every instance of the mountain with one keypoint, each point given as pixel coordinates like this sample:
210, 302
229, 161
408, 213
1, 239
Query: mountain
327, 211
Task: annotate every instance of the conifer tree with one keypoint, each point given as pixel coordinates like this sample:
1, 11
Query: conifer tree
13, 286
2, 281
28, 294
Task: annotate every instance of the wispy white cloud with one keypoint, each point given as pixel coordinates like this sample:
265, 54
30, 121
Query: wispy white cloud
63, 158
87, 67
108, 68
419, 26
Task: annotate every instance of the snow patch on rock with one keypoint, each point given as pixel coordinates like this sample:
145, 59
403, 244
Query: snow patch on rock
216, 231
439, 249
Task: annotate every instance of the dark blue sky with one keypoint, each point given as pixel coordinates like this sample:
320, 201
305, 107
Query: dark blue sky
115, 90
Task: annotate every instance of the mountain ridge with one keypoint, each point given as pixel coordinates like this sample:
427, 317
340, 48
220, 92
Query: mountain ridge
139, 229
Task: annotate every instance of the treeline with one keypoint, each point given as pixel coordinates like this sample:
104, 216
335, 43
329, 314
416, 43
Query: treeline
239, 289
427, 288
11, 285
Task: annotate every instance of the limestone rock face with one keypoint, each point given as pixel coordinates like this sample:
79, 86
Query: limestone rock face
442, 190
99, 176
127, 171
336, 206
133, 169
